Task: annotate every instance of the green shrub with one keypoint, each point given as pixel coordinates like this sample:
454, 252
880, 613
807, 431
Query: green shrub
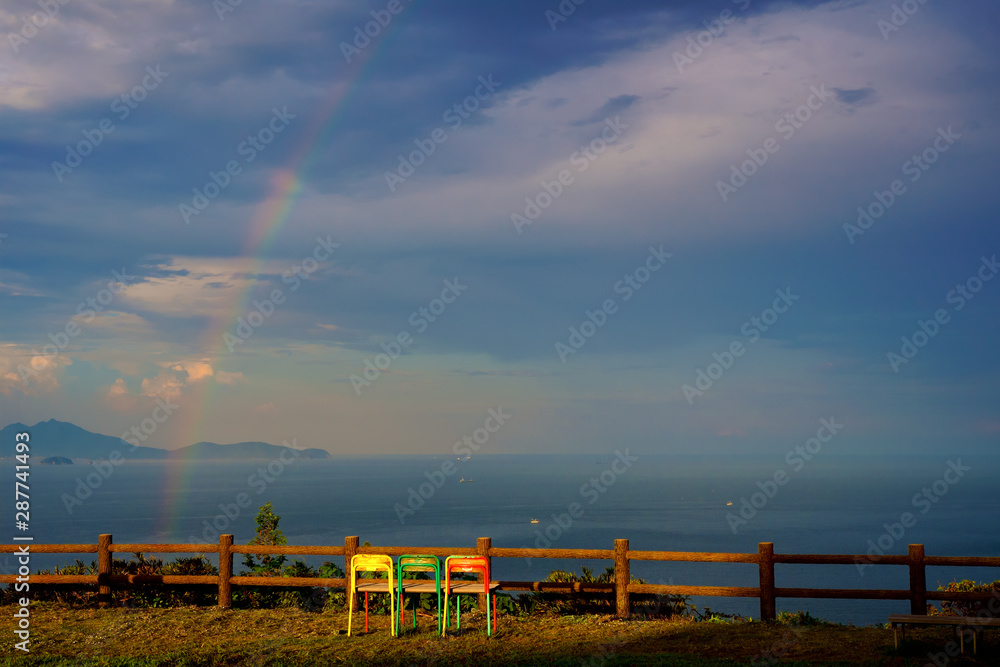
968, 607
643, 604
799, 618
136, 595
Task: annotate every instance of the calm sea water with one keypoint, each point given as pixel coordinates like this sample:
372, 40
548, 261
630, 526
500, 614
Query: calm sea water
677, 505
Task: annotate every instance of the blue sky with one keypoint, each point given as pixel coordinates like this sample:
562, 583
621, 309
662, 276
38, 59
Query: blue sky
707, 154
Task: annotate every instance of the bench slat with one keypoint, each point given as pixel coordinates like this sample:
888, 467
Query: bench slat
465, 587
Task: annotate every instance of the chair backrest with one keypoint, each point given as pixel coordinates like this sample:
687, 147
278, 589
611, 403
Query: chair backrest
467, 564
420, 563
370, 563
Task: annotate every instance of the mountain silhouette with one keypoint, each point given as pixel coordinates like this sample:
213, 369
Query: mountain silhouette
56, 438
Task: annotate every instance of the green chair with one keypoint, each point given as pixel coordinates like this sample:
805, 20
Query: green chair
419, 563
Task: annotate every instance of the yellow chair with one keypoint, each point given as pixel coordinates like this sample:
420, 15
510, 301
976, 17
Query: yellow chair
371, 563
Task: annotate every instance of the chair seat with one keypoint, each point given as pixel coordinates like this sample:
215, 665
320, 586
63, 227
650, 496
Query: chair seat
472, 587
464, 587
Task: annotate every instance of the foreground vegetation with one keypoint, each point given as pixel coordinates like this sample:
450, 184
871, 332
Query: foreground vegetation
63, 635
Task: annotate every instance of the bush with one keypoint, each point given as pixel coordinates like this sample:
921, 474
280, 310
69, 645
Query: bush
137, 595
643, 604
799, 618
968, 607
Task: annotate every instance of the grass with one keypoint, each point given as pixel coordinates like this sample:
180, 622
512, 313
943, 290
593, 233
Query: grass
63, 635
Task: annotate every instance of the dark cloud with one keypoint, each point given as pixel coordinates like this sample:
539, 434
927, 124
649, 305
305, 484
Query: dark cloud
613, 106
856, 96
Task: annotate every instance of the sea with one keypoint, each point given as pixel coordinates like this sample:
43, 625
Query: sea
854, 506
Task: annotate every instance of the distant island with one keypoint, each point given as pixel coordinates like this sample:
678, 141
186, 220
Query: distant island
57, 461
58, 443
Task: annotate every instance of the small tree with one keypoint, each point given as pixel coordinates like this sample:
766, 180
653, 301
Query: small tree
268, 534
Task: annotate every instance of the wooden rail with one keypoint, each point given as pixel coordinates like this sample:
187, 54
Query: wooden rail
621, 554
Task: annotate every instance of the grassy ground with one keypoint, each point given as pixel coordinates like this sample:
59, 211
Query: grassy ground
61, 635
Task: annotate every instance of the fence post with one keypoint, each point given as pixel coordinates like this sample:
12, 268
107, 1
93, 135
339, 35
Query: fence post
622, 578
918, 580
225, 571
765, 564
483, 545
350, 549
103, 570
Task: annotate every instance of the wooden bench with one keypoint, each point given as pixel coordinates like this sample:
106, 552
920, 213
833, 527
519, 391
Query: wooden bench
959, 622
463, 587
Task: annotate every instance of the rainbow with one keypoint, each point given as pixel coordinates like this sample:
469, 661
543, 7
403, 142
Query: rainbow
271, 217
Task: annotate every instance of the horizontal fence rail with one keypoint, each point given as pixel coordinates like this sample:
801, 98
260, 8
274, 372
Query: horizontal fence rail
621, 555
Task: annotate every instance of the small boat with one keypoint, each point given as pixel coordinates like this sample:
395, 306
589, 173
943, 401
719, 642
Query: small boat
466, 480
534, 521
729, 503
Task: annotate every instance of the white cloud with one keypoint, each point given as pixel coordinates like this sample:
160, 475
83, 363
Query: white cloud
24, 372
686, 132
201, 286
165, 385
119, 397
223, 377
196, 370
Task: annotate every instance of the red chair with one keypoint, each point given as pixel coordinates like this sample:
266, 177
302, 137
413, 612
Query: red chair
469, 564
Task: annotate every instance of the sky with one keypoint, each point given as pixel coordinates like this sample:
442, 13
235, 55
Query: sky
676, 227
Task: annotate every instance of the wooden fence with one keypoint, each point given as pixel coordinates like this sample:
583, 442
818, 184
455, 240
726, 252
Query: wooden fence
765, 558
